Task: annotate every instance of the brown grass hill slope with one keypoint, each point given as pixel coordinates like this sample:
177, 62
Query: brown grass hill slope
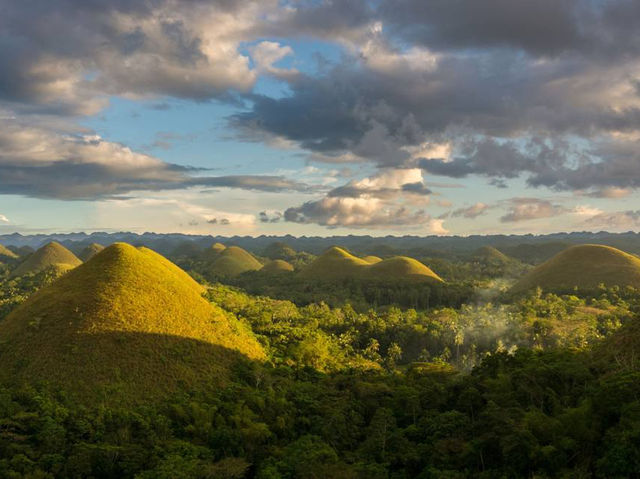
213, 252
372, 259
584, 267
6, 255
402, 268
489, 254
233, 261
52, 256
90, 251
339, 263
335, 262
278, 266
128, 324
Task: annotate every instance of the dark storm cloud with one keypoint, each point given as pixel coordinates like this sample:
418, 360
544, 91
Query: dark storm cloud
540, 27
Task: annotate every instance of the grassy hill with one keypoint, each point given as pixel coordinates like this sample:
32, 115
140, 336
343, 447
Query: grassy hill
372, 259
52, 256
334, 263
90, 251
233, 261
585, 267
489, 254
128, 320
339, 263
6, 254
277, 266
402, 268
279, 250
21, 251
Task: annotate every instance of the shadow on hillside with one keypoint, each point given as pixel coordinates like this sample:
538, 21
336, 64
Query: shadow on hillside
120, 367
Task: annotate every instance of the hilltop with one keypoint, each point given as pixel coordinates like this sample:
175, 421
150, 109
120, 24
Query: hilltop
334, 263
52, 256
277, 266
233, 261
128, 319
90, 251
584, 267
402, 268
338, 263
489, 254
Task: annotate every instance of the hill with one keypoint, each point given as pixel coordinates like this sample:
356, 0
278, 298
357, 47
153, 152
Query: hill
402, 268
489, 254
90, 251
334, 263
338, 263
128, 320
52, 256
584, 267
233, 261
279, 250
372, 259
277, 266
21, 251
186, 249
6, 254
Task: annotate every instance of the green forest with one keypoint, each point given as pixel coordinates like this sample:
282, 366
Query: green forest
356, 377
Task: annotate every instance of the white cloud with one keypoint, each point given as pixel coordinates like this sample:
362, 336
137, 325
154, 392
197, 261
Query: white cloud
4, 219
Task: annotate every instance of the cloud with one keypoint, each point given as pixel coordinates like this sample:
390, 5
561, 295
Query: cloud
44, 163
526, 209
472, 211
65, 55
619, 220
4, 219
270, 216
266, 54
390, 198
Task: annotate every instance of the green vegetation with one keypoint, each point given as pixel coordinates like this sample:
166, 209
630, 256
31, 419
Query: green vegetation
277, 266
126, 367
583, 267
90, 251
52, 256
128, 320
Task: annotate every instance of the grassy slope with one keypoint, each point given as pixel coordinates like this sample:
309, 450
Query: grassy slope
233, 261
90, 251
492, 255
277, 266
584, 266
51, 255
402, 267
6, 254
372, 259
129, 319
338, 263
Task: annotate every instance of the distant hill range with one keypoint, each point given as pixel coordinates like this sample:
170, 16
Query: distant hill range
338, 263
531, 249
583, 267
128, 323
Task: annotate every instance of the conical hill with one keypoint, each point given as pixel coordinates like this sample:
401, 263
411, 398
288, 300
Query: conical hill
127, 320
90, 251
51, 256
584, 267
339, 263
233, 261
277, 266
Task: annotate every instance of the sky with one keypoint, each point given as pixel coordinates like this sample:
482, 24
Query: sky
422, 117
